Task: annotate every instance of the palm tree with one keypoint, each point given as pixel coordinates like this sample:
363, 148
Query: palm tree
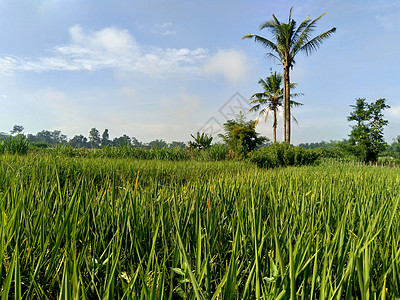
201, 141
271, 98
288, 41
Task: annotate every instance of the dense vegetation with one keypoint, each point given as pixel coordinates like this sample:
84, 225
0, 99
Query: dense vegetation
127, 229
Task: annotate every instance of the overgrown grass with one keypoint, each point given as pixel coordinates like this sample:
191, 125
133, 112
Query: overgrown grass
14, 145
128, 229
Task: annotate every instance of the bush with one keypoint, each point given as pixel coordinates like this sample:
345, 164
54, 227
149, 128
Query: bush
283, 155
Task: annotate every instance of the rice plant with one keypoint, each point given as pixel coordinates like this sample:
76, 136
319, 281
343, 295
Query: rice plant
105, 228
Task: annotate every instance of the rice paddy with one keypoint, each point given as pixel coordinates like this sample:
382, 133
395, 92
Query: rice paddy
101, 228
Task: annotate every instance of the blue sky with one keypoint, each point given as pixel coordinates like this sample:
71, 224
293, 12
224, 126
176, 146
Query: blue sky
168, 68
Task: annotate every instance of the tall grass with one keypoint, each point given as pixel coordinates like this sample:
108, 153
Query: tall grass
122, 229
213, 153
14, 145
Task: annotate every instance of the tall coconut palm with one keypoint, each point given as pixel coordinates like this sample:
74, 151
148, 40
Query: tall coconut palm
271, 98
288, 41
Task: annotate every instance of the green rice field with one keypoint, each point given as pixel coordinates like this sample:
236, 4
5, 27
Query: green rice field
102, 228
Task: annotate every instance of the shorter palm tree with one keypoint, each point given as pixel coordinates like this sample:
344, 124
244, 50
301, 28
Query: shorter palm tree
272, 98
201, 141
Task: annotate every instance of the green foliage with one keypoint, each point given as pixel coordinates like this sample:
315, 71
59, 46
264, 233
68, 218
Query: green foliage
271, 99
176, 144
94, 138
241, 136
18, 144
3, 136
35, 145
122, 141
388, 161
283, 155
158, 143
17, 129
49, 137
216, 152
394, 148
367, 134
105, 138
289, 40
101, 228
201, 141
79, 141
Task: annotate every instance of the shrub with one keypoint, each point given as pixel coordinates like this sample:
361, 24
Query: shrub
282, 155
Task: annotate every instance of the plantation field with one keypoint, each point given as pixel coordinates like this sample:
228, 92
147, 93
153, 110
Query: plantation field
101, 228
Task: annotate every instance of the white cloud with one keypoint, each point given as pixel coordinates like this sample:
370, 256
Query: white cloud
110, 48
114, 48
232, 64
107, 40
394, 111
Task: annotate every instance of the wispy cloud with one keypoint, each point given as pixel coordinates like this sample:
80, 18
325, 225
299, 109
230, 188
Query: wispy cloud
164, 29
109, 48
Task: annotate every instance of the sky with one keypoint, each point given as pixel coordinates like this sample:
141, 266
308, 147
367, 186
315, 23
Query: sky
165, 69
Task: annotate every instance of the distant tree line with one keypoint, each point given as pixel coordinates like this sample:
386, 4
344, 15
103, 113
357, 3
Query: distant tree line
46, 138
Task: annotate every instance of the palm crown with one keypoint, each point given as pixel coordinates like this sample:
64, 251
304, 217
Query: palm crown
271, 98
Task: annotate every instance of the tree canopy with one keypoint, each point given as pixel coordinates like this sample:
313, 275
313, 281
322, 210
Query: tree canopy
367, 133
241, 136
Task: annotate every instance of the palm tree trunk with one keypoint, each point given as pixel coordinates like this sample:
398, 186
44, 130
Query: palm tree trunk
284, 115
274, 125
286, 82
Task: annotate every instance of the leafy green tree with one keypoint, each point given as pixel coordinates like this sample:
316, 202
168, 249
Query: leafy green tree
288, 41
241, 136
3, 136
367, 134
271, 98
201, 141
135, 143
122, 141
17, 129
394, 148
158, 143
79, 141
58, 137
105, 138
49, 137
175, 144
94, 138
